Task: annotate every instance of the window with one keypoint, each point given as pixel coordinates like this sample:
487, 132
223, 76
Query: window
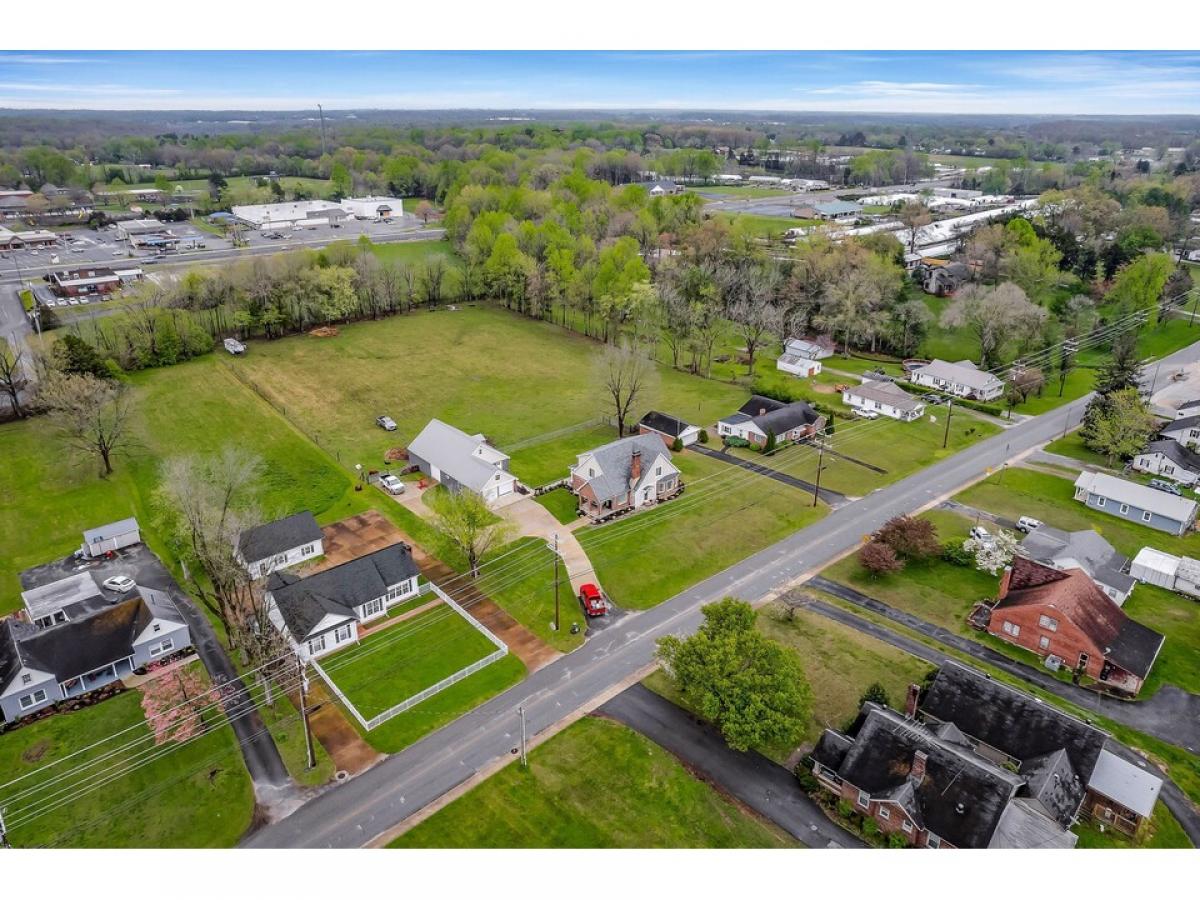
342, 633
308, 550
657, 471
1168, 470
29, 700
164, 647
907, 826
1146, 516
374, 607
1124, 508
1100, 502
1048, 623
156, 627
591, 472
1012, 628
317, 644
864, 799
932, 841
885, 813
1044, 642
26, 678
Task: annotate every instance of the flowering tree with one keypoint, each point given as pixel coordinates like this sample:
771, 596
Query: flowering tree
174, 703
993, 554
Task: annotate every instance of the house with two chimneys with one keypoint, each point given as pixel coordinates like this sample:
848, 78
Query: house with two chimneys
974, 764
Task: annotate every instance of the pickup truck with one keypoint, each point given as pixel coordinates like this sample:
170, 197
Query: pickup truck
594, 602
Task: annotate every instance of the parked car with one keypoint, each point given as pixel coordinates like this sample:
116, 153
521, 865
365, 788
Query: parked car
866, 413
594, 602
1167, 487
386, 423
1026, 524
982, 535
391, 484
119, 583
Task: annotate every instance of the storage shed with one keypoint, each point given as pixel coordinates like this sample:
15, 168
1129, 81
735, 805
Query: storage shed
111, 537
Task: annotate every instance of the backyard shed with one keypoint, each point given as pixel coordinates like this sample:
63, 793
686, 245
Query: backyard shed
1175, 573
111, 537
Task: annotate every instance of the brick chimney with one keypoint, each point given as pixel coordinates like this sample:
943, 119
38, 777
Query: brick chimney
911, 699
917, 772
1005, 579
635, 467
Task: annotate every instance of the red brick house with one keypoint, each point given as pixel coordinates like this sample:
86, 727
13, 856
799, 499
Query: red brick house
624, 475
762, 416
1063, 613
84, 282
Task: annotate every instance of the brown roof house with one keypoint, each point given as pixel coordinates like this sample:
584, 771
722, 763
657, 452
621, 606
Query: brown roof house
1064, 614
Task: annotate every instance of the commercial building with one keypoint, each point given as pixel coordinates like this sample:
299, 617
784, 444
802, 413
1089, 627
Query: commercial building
374, 208
83, 282
297, 214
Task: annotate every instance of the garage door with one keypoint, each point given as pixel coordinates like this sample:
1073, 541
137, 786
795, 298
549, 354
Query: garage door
504, 488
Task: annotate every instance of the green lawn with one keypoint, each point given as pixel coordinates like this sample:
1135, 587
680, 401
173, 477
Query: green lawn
447, 364
597, 784
647, 557
765, 226
733, 191
1072, 445
521, 581
546, 461
392, 664
198, 795
1162, 832
418, 252
562, 504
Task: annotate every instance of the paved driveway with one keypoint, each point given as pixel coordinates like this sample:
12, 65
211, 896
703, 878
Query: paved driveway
766, 787
531, 519
831, 498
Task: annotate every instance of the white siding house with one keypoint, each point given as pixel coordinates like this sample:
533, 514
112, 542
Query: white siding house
280, 544
962, 379
884, 398
110, 538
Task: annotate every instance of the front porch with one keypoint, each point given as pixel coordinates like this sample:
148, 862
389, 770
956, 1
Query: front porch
97, 678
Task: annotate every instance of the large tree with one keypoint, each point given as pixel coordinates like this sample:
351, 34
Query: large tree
747, 685
1120, 426
90, 413
12, 375
997, 316
625, 374
465, 525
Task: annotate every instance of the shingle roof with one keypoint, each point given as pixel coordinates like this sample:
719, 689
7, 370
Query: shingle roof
1093, 553
886, 392
1181, 424
1023, 827
304, 602
957, 373
665, 424
1129, 644
265, 541
1177, 509
453, 451
775, 415
614, 461
1176, 453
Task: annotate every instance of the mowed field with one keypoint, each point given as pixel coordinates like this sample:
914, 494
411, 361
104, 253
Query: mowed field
597, 784
481, 369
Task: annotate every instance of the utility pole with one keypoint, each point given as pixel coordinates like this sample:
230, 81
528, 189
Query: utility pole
820, 466
556, 581
949, 412
308, 744
524, 758
4, 844
1192, 319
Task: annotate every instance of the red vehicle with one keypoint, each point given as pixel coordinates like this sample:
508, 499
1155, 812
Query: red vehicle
594, 602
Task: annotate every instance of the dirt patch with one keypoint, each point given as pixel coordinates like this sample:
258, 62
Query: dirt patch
324, 331
396, 454
819, 388
34, 752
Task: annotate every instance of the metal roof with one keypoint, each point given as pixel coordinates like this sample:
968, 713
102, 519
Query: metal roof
111, 530
1177, 509
1131, 786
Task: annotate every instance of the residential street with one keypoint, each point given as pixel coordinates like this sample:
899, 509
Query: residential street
766, 787
1176, 801
365, 807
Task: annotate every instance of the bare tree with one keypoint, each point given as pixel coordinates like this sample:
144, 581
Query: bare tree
915, 215
996, 316
12, 375
90, 413
625, 375
468, 526
756, 316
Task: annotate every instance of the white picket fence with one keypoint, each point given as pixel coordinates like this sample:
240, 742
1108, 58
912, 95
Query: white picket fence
408, 703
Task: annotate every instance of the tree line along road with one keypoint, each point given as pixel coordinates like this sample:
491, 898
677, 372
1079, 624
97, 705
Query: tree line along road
359, 811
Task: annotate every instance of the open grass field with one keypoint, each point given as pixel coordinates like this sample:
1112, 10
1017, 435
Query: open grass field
544, 462
481, 369
771, 227
735, 192
597, 784
720, 518
418, 252
48, 498
198, 795
392, 664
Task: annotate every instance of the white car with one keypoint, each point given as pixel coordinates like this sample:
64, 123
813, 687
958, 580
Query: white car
1026, 524
866, 413
981, 534
120, 583
391, 484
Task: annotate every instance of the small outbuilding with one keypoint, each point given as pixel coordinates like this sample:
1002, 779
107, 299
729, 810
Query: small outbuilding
110, 538
668, 428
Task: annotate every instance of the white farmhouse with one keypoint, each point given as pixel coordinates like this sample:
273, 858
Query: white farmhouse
962, 379
461, 461
884, 398
280, 544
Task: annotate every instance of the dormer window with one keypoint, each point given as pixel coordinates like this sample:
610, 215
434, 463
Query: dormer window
156, 627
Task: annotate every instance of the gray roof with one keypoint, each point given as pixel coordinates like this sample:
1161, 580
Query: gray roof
1023, 827
837, 207
453, 451
1177, 453
1132, 786
774, 415
73, 594
888, 393
304, 602
265, 541
958, 373
1177, 509
1184, 424
615, 460
1087, 548
111, 530
664, 423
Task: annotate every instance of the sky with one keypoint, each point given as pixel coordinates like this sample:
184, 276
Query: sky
1031, 82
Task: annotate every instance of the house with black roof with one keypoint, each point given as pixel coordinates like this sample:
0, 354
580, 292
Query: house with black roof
668, 428
760, 416
976, 764
280, 544
321, 613
40, 666
1170, 459
1185, 429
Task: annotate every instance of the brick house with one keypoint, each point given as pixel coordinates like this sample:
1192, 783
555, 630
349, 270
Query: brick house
84, 282
624, 475
760, 416
975, 764
1063, 613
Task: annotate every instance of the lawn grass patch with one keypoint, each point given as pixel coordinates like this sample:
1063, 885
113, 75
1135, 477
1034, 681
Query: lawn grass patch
287, 730
546, 461
523, 586
197, 795
418, 252
645, 558
1072, 446
392, 664
1162, 832
596, 784
561, 503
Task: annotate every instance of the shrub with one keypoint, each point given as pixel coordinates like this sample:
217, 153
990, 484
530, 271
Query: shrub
677, 445
911, 538
879, 559
897, 841
704, 435
954, 553
769, 446
808, 781
875, 693
845, 810
870, 828
732, 441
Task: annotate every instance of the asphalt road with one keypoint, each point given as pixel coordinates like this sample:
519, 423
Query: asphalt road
355, 813
766, 787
